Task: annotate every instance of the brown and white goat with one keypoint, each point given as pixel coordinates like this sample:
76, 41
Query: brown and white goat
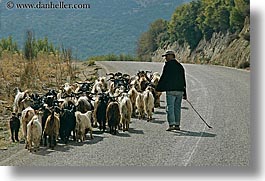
21, 101
99, 86
157, 95
51, 129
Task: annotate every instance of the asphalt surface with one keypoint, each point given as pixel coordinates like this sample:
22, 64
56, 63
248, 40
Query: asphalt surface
222, 97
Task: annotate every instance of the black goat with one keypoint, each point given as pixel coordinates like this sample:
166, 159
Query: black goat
101, 110
38, 101
67, 124
14, 125
46, 113
113, 116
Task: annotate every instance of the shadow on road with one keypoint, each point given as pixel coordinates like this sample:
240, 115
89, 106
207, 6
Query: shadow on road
95, 140
135, 131
99, 132
157, 121
192, 133
160, 112
123, 134
46, 151
66, 147
161, 109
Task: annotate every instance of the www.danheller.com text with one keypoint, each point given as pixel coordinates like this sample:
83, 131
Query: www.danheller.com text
46, 5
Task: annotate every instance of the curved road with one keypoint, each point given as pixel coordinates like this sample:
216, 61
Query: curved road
221, 95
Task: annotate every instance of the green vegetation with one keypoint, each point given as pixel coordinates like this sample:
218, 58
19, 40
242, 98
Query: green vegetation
112, 57
152, 39
8, 45
31, 49
32, 46
191, 22
37, 61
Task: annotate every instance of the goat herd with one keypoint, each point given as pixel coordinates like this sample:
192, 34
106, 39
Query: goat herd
75, 109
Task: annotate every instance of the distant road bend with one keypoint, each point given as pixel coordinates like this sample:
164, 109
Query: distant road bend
221, 95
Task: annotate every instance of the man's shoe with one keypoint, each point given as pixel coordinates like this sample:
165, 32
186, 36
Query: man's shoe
170, 128
177, 128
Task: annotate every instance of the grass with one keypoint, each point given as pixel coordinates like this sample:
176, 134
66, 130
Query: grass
4, 135
47, 70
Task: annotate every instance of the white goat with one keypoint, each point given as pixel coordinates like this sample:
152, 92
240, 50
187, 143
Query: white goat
140, 105
83, 122
26, 115
98, 87
68, 89
126, 111
136, 84
111, 90
148, 103
34, 132
132, 95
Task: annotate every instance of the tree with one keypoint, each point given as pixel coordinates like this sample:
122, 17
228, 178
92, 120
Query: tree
183, 26
193, 21
236, 20
29, 46
149, 41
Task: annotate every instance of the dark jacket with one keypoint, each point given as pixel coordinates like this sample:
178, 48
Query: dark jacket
172, 78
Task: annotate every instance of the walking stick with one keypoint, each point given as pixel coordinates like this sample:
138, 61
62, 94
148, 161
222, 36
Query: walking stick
198, 114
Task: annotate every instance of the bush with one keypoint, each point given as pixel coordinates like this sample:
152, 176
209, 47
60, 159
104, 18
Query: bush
244, 65
8, 45
91, 62
113, 57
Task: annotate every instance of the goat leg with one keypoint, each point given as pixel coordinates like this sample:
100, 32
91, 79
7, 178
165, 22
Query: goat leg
91, 134
12, 135
16, 135
45, 139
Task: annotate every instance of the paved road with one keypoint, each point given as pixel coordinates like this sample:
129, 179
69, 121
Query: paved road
221, 95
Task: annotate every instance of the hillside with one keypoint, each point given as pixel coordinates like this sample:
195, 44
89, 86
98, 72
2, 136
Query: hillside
106, 27
204, 32
231, 50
